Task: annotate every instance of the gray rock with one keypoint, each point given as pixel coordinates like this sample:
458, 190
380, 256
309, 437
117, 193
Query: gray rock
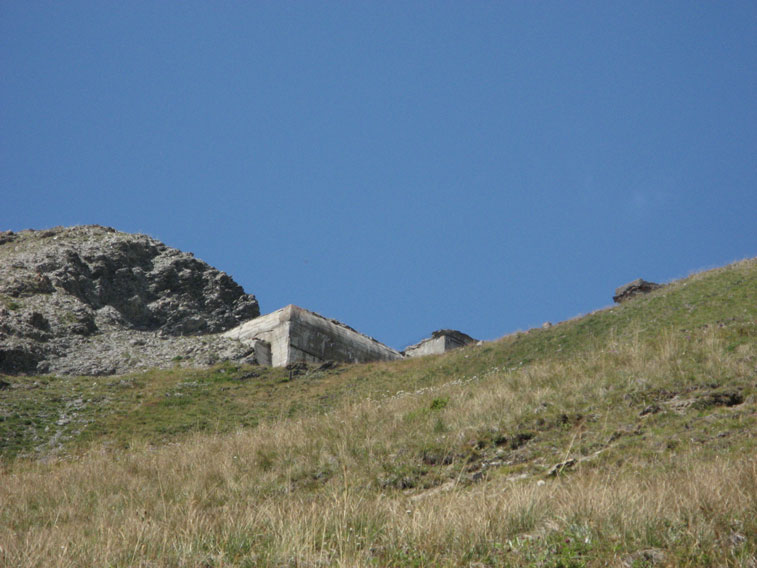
647, 557
71, 297
628, 291
558, 468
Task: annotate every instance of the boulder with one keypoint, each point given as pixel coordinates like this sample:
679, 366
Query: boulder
638, 286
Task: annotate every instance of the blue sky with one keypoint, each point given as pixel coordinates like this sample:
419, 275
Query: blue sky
401, 166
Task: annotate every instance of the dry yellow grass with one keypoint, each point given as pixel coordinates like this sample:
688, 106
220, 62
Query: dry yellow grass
168, 516
450, 475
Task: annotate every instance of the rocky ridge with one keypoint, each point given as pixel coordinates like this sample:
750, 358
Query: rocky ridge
90, 300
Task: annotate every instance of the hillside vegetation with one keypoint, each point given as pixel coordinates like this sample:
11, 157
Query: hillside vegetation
622, 438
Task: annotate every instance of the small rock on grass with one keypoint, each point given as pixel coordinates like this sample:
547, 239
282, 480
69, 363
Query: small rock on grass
560, 467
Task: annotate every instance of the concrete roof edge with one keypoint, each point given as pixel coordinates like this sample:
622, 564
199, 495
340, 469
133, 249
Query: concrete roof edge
293, 310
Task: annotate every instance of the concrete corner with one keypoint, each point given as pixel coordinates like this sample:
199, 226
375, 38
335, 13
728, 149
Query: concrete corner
295, 335
441, 341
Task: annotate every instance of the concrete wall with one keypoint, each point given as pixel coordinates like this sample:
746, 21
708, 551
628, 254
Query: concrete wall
313, 336
298, 335
272, 328
263, 354
440, 342
430, 346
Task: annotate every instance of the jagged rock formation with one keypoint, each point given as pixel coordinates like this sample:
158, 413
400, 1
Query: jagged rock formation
638, 286
92, 300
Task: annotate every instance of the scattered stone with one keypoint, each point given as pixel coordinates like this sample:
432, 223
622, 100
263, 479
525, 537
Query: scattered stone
476, 476
248, 376
719, 398
297, 368
560, 467
520, 439
628, 291
648, 557
651, 409
680, 405
706, 400
737, 539
7, 237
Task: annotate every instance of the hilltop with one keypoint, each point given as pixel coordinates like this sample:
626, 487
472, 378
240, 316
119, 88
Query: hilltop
90, 300
624, 438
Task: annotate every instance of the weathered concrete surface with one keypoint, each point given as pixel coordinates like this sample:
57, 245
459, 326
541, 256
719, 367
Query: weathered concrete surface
297, 335
273, 329
440, 341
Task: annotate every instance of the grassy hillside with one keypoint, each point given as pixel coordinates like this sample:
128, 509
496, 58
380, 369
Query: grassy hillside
623, 438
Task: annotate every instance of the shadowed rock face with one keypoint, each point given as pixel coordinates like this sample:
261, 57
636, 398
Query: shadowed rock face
628, 291
61, 286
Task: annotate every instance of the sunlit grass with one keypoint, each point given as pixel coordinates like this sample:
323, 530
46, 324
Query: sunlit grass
440, 461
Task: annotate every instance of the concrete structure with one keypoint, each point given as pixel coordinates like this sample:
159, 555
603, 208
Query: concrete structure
293, 334
440, 341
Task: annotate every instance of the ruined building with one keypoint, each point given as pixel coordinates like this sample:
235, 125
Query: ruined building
296, 335
440, 341
293, 334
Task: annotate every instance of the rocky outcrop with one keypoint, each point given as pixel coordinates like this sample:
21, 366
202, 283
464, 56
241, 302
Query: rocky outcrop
70, 297
628, 291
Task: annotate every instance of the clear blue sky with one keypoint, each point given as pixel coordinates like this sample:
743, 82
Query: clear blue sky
401, 166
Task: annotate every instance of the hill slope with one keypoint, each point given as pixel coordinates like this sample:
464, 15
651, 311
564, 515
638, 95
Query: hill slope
626, 438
